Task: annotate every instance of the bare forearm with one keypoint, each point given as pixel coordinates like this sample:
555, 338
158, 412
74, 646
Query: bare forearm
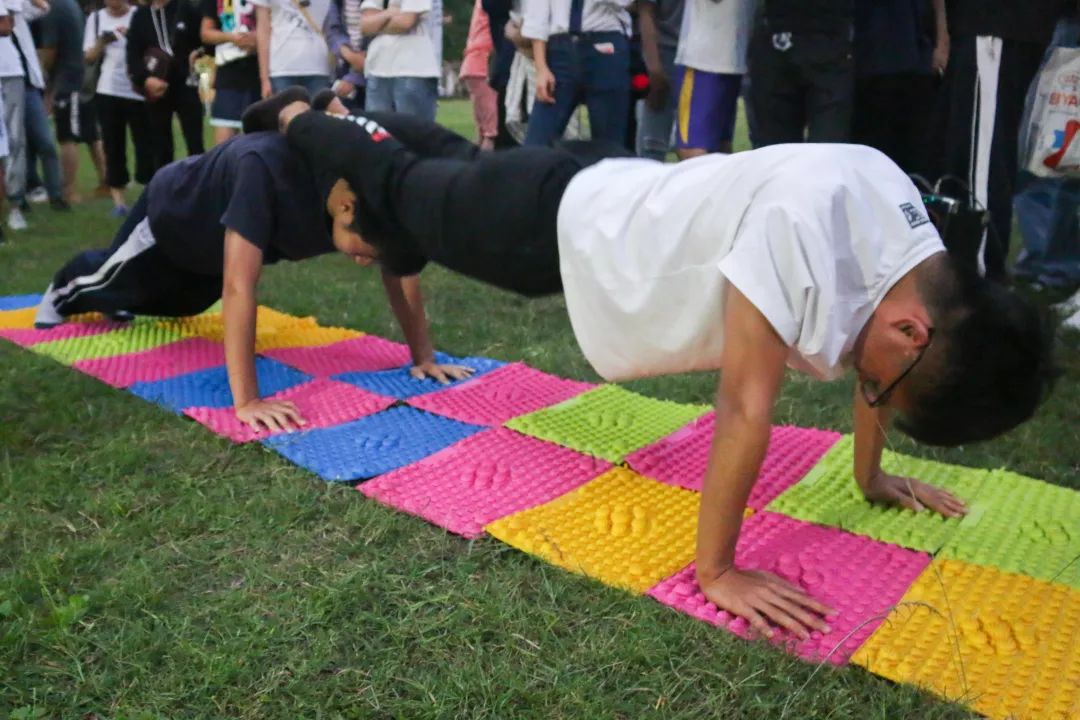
238, 308
373, 22
401, 24
941, 24
870, 426
407, 303
539, 49
650, 38
262, 41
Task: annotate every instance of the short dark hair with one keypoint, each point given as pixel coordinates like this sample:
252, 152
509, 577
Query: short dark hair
990, 365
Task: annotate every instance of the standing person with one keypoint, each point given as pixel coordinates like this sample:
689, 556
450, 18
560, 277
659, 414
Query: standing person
75, 115
802, 80
474, 73
292, 46
404, 58
996, 47
350, 84
660, 22
581, 49
229, 27
5, 30
901, 51
120, 108
711, 62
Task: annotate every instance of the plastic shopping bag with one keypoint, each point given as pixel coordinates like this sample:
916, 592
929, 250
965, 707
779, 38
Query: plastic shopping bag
1050, 129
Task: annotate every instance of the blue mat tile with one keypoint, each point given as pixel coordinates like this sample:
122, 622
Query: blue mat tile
372, 445
18, 302
210, 388
401, 385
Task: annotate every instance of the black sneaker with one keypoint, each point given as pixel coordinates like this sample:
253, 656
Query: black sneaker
322, 99
122, 316
60, 204
263, 115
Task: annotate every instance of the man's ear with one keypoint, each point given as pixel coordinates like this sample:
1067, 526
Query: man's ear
915, 329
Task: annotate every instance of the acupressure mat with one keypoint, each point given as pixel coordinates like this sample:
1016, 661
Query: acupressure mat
372, 445
1005, 644
18, 302
680, 459
1018, 636
492, 399
859, 578
608, 422
132, 338
321, 402
401, 384
210, 387
829, 495
488, 476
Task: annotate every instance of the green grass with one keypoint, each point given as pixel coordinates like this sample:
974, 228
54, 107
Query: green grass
149, 569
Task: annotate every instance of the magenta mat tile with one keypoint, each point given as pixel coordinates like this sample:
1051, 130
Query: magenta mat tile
680, 458
860, 578
160, 363
363, 354
32, 336
321, 402
500, 395
486, 477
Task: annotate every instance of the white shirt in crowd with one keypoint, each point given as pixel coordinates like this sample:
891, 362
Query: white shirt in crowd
544, 18
22, 12
113, 79
417, 53
715, 36
297, 48
813, 235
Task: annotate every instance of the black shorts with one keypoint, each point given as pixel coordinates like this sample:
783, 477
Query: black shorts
229, 105
75, 121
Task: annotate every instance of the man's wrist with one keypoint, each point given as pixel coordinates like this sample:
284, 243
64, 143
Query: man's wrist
710, 570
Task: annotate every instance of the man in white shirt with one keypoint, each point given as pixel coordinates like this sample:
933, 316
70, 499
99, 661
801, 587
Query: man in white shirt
581, 49
404, 56
817, 257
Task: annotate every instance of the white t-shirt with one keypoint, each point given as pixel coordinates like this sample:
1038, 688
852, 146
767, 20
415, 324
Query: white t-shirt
296, 48
813, 235
22, 12
715, 35
417, 53
113, 80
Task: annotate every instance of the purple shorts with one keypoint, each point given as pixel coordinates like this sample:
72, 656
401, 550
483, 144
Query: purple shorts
707, 106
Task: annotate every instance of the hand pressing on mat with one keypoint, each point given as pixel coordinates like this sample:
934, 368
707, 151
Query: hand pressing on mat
270, 415
442, 373
765, 600
913, 495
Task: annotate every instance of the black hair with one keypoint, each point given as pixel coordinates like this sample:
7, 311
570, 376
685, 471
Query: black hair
990, 364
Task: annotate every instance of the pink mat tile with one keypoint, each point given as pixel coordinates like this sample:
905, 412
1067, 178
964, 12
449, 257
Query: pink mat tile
680, 458
498, 396
859, 578
31, 336
488, 476
160, 363
322, 403
362, 354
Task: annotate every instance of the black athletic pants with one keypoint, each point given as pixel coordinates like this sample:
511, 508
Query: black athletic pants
117, 115
488, 215
978, 122
134, 275
183, 101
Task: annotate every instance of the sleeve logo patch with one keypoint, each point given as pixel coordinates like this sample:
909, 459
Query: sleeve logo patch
914, 216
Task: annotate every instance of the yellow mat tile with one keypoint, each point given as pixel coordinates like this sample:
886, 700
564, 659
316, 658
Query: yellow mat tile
23, 318
621, 528
1006, 645
305, 336
268, 322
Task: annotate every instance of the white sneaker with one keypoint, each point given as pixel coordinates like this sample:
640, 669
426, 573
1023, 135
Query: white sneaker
38, 195
16, 221
47, 315
1070, 305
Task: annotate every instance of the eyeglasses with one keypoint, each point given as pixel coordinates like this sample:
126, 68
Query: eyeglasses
875, 397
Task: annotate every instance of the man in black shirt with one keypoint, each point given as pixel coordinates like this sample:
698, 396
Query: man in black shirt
204, 228
801, 80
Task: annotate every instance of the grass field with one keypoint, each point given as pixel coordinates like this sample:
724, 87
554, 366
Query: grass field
149, 569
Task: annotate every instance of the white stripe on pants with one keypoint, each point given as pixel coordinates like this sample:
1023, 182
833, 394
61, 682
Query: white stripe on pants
139, 241
14, 89
988, 51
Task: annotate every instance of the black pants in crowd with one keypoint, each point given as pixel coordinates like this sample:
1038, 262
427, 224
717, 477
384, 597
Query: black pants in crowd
134, 275
802, 86
979, 109
182, 101
894, 113
490, 216
117, 115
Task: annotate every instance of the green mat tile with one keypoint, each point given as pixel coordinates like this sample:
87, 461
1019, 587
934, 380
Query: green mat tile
607, 422
1022, 525
829, 495
139, 336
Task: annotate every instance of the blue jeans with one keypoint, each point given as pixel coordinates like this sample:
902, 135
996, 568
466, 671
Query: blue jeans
1046, 211
655, 126
39, 137
313, 83
416, 96
586, 72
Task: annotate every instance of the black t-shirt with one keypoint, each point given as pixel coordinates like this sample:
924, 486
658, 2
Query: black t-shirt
833, 17
1023, 20
252, 184
62, 31
241, 73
